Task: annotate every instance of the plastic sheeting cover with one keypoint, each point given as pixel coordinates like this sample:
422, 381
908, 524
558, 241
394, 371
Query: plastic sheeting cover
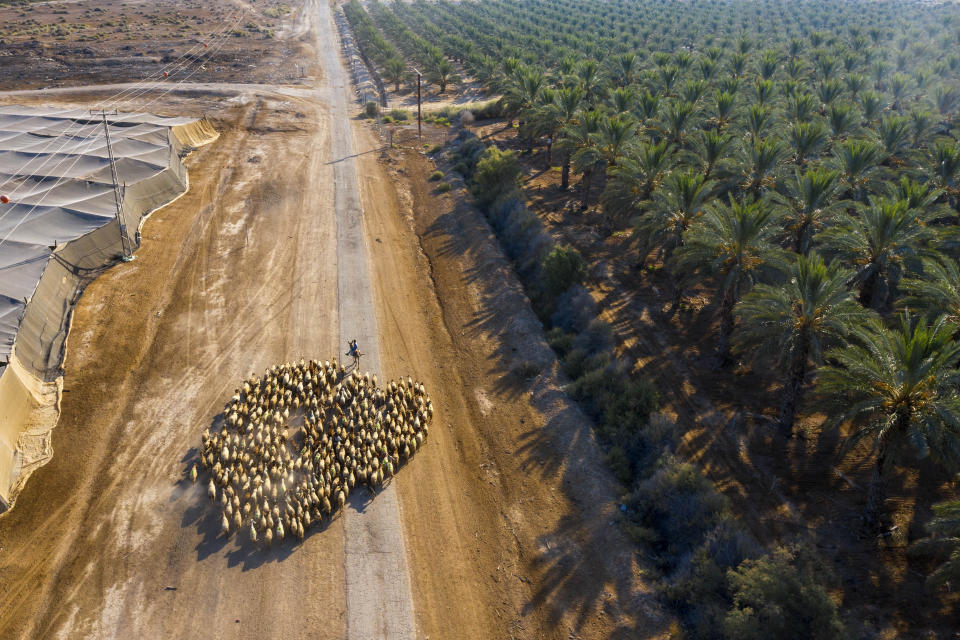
54, 167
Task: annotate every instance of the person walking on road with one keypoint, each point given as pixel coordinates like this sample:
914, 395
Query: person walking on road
354, 352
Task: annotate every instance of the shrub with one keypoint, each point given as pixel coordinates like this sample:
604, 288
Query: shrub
699, 588
387, 119
627, 401
436, 175
526, 370
371, 109
575, 309
781, 595
563, 267
443, 187
497, 175
488, 110
598, 336
560, 341
619, 464
518, 229
435, 149
466, 156
399, 114
673, 510
575, 363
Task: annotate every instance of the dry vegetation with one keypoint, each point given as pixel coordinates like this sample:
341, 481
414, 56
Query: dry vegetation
76, 43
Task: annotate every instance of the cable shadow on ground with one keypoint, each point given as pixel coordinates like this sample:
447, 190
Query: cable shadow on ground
356, 155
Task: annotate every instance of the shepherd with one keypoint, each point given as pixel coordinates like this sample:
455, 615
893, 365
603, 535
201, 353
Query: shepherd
354, 352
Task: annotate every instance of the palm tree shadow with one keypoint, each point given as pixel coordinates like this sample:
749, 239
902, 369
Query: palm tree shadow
570, 576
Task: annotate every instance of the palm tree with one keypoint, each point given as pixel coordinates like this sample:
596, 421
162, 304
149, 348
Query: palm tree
937, 291
394, 71
842, 120
898, 388
807, 138
604, 147
810, 199
550, 117
734, 243
709, 151
625, 67
801, 107
631, 182
758, 119
857, 160
614, 138
917, 195
759, 159
791, 323
676, 204
893, 134
648, 104
622, 99
591, 79
442, 73
677, 117
944, 159
523, 92
944, 531
574, 137
878, 243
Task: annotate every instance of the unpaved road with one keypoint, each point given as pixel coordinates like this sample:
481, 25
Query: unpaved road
503, 520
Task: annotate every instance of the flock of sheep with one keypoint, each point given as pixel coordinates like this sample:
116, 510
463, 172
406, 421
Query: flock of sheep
272, 477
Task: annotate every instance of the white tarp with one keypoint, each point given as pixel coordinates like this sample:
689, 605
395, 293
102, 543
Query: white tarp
57, 233
55, 169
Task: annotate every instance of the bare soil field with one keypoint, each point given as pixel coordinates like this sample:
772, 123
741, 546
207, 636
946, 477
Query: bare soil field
506, 512
51, 44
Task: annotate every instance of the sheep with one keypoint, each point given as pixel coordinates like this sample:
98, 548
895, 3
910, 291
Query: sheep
354, 432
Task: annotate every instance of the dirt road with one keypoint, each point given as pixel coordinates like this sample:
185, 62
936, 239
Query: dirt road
502, 522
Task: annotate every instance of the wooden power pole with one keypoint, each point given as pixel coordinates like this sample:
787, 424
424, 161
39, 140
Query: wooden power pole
419, 112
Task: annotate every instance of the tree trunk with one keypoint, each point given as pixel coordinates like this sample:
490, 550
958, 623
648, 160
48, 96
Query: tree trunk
877, 493
867, 290
549, 155
793, 390
726, 328
587, 179
396, 87
798, 238
565, 176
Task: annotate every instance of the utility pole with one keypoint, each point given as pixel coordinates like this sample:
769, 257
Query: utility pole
419, 116
117, 198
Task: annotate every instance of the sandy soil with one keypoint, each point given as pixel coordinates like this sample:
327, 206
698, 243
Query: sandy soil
506, 513
47, 44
